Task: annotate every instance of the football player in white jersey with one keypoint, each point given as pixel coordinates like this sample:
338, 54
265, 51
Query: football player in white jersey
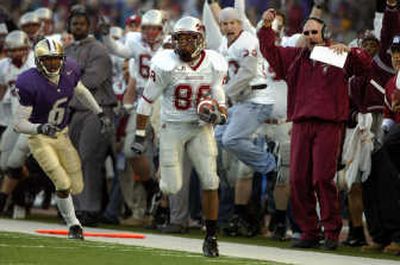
183, 77
30, 24
141, 46
13, 146
45, 16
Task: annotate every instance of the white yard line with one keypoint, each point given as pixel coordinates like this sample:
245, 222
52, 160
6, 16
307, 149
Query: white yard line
194, 246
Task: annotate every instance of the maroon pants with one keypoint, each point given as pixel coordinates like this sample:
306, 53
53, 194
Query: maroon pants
314, 152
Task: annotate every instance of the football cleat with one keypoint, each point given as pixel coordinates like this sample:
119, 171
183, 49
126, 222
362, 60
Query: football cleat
75, 232
210, 247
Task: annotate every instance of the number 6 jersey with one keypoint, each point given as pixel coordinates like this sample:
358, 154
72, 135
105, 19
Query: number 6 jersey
48, 100
182, 85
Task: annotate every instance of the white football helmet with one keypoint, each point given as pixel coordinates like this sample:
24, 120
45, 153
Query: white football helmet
28, 18
153, 26
188, 38
49, 57
17, 47
44, 13
16, 39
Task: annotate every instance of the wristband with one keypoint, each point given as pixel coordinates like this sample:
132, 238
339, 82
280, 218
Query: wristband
140, 133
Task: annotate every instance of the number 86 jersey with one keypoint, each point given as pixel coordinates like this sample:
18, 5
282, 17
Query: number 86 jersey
182, 85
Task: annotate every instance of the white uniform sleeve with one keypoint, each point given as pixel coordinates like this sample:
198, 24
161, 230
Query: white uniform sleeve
378, 24
21, 121
213, 33
238, 85
218, 92
86, 98
132, 68
117, 48
157, 82
247, 26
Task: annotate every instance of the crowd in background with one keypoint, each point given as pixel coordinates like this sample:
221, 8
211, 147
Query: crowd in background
127, 197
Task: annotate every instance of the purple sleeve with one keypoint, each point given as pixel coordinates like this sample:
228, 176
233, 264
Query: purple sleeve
25, 96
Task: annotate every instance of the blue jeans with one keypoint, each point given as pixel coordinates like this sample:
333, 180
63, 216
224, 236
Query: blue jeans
235, 136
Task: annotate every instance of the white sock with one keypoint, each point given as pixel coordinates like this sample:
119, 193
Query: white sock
66, 207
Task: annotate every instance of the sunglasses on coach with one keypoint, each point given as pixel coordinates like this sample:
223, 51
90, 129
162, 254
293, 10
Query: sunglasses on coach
310, 32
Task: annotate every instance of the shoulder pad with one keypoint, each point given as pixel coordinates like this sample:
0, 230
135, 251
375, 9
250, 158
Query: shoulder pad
166, 60
217, 60
24, 79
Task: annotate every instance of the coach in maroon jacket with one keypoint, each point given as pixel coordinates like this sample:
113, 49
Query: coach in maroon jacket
318, 105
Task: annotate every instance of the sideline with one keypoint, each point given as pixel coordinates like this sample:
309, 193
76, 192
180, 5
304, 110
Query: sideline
194, 246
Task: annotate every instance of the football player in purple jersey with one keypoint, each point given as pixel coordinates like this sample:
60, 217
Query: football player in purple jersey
44, 93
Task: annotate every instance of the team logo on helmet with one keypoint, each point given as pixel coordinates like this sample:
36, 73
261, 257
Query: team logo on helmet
49, 57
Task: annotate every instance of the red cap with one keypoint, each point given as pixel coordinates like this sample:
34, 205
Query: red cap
133, 19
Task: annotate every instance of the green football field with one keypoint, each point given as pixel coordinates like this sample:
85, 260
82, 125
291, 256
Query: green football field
17, 248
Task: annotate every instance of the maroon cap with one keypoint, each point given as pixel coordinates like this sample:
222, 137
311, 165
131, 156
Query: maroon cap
133, 19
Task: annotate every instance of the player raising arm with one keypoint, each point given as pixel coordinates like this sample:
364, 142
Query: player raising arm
44, 93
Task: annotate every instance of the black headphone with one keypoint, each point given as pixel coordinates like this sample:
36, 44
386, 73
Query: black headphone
325, 32
77, 10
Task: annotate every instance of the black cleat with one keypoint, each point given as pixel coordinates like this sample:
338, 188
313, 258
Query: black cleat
330, 244
210, 247
75, 232
279, 233
302, 243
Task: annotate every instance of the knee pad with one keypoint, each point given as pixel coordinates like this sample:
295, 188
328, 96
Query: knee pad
170, 188
210, 183
15, 173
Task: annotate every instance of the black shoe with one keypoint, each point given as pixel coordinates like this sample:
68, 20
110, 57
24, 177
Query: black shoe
173, 229
279, 233
210, 247
75, 232
330, 244
239, 227
356, 238
301, 243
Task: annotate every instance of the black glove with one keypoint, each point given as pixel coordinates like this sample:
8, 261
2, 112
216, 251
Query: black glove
139, 145
106, 124
48, 129
104, 26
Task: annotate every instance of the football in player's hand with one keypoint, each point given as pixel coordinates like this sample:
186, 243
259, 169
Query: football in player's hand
207, 110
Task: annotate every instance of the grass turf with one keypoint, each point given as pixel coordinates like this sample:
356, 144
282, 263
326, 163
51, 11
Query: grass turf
258, 240
17, 248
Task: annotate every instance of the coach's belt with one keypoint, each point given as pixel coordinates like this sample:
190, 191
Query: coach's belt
258, 87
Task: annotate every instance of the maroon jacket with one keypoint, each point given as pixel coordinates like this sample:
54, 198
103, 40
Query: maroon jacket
389, 90
315, 90
366, 96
